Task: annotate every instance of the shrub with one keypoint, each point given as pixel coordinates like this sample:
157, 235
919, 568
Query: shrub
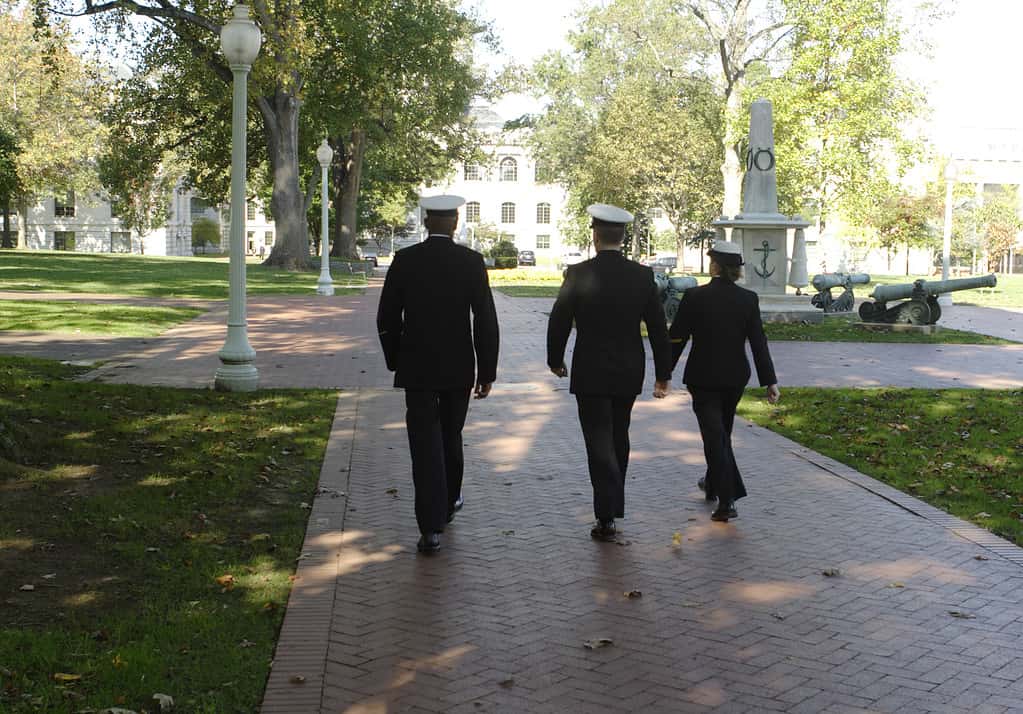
504, 249
504, 261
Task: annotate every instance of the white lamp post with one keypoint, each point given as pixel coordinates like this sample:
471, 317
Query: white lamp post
945, 299
239, 40
325, 285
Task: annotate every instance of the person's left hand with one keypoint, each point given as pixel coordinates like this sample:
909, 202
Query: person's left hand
561, 371
661, 389
482, 390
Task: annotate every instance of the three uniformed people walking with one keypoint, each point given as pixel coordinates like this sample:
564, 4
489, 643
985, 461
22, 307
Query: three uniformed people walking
438, 329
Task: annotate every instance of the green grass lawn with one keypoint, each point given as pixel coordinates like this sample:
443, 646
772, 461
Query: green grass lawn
148, 538
91, 318
843, 328
148, 276
958, 449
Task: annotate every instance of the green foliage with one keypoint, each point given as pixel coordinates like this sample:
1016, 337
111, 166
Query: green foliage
205, 232
958, 449
841, 108
50, 102
903, 220
849, 328
504, 249
144, 498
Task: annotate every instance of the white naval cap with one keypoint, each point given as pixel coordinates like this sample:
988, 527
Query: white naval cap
445, 204
727, 252
608, 213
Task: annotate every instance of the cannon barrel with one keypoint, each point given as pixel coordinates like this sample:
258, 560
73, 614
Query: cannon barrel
682, 283
826, 281
904, 291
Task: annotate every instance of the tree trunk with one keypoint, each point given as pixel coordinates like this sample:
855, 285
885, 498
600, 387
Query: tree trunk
287, 202
7, 241
346, 197
731, 169
907, 258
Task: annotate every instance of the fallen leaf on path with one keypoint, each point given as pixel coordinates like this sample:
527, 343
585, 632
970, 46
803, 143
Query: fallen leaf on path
297, 679
896, 585
226, 582
598, 643
831, 572
676, 538
777, 616
392, 492
634, 594
507, 683
64, 677
981, 557
962, 615
508, 533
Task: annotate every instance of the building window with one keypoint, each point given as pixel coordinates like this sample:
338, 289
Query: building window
507, 213
250, 239
543, 241
250, 211
116, 208
197, 207
120, 241
64, 206
64, 240
473, 172
541, 174
656, 213
543, 213
268, 238
472, 212
509, 169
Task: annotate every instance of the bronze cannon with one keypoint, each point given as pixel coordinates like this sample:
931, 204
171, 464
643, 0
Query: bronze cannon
921, 300
671, 291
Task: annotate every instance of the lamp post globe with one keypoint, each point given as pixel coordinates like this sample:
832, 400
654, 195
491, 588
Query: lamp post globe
325, 284
240, 40
951, 171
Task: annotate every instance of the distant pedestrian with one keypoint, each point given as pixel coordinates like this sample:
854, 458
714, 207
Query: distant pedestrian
438, 354
262, 251
721, 317
606, 298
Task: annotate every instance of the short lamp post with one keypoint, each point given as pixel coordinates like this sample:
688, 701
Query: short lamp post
946, 243
325, 285
239, 40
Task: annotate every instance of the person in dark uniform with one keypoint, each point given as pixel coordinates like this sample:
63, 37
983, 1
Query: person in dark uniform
438, 354
607, 297
721, 317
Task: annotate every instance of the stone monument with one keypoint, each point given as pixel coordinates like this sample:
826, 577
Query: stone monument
760, 228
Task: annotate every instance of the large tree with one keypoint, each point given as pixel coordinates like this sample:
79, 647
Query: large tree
401, 113
10, 183
50, 105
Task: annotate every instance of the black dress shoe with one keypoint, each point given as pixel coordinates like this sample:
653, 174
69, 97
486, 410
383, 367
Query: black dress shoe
604, 530
724, 512
428, 543
702, 483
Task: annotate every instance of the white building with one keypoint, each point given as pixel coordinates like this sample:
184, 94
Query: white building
89, 224
509, 192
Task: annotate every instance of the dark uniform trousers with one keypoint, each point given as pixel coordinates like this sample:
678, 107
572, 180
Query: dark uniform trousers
434, 420
605, 424
715, 413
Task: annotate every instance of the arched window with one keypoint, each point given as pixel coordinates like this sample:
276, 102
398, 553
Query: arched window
543, 213
507, 212
473, 173
509, 169
472, 212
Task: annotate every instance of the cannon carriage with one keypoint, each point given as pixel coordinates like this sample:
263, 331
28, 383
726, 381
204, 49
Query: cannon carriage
920, 306
671, 291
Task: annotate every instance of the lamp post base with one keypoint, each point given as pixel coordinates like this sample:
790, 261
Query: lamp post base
325, 285
236, 378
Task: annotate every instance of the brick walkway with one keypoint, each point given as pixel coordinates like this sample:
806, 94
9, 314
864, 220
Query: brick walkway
734, 617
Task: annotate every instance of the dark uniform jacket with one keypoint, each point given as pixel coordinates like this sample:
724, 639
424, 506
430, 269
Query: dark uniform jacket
423, 318
607, 296
720, 317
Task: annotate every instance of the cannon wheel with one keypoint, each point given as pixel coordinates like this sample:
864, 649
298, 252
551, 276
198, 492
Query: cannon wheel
935, 310
914, 312
871, 311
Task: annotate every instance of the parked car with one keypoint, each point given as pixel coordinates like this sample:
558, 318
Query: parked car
570, 258
369, 254
527, 257
666, 263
